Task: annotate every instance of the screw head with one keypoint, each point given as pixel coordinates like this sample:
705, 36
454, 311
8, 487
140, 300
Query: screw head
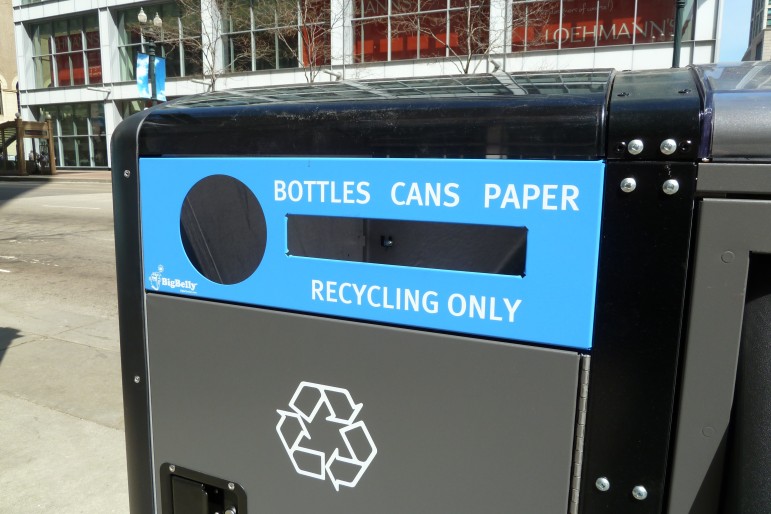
668, 146
137, 379
231, 510
639, 492
671, 187
232, 486
635, 146
126, 173
172, 468
602, 484
628, 185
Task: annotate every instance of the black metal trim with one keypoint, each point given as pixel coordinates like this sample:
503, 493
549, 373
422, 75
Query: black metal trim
128, 257
644, 253
653, 106
234, 493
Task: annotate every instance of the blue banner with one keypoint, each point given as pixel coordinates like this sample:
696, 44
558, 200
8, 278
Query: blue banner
559, 203
160, 78
143, 76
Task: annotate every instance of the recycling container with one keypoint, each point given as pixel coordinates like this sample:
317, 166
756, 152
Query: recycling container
513, 292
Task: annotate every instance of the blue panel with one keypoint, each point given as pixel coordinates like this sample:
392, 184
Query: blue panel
143, 77
559, 202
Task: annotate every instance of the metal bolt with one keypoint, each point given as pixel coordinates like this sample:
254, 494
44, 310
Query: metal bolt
671, 187
639, 492
137, 379
635, 147
126, 173
628, 185
602, 484
231, 510
668, 146
172, 468
232, 486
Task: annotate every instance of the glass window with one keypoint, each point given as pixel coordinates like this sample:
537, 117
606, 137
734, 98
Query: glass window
551, 24
177, 40
405, 29
79, 134
271, 34
67, 53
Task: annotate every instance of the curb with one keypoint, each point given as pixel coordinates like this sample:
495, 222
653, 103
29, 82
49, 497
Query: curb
98, 178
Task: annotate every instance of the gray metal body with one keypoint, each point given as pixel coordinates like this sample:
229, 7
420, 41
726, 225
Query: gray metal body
461, 425
729, 231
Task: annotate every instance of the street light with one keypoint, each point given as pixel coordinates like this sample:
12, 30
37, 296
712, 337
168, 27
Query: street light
679, 6
158, 24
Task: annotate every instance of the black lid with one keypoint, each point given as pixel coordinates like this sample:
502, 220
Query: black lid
556, 115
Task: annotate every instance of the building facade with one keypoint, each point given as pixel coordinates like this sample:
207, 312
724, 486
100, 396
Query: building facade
8, 75
77, 58
759, 48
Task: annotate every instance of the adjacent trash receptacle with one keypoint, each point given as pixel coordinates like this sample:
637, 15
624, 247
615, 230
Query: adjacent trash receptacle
438, 295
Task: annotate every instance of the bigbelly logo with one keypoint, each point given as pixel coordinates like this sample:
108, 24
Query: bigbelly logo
158, 281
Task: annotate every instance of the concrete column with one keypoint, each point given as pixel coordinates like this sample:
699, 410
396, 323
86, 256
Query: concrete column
500, 26
24, 62
112, 118
109, 41
211, 38
342, 31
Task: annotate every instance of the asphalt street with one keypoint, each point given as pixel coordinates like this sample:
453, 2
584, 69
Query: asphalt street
61, 415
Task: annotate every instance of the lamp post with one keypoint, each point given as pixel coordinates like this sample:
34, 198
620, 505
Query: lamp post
679, 6
158, 24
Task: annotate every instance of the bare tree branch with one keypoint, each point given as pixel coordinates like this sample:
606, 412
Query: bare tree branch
462, 32
202, 25
304, 28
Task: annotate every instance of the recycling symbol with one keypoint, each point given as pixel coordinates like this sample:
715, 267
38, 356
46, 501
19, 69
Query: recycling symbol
344, 466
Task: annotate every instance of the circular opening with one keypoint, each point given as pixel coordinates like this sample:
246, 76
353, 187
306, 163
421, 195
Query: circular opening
223, 229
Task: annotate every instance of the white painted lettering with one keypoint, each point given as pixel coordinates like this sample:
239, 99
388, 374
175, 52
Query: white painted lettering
343, 286
492, 192
369, 296
361, 187
279, 190
512, 308
331, 291
430, 305
493, 316
531, 192
547, 196
396, 186
510, 197
451, 190
569, 195
316, 287
459, 309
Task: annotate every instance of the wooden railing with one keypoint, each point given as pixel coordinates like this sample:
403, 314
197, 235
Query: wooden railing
37, 161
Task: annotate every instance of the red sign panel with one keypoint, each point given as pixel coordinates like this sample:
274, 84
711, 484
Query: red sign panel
580, 23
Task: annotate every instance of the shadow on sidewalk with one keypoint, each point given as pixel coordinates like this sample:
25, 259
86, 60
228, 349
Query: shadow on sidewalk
7, 336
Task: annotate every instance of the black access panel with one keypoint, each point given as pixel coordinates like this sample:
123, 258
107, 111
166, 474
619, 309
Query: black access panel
450, 295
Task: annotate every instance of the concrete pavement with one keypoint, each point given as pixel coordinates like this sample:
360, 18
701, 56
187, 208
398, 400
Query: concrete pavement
67, 175
61, 413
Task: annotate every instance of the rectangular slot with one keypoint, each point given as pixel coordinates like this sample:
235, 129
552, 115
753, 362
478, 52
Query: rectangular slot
493, 249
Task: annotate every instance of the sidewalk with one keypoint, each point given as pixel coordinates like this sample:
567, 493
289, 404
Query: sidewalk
65, 175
